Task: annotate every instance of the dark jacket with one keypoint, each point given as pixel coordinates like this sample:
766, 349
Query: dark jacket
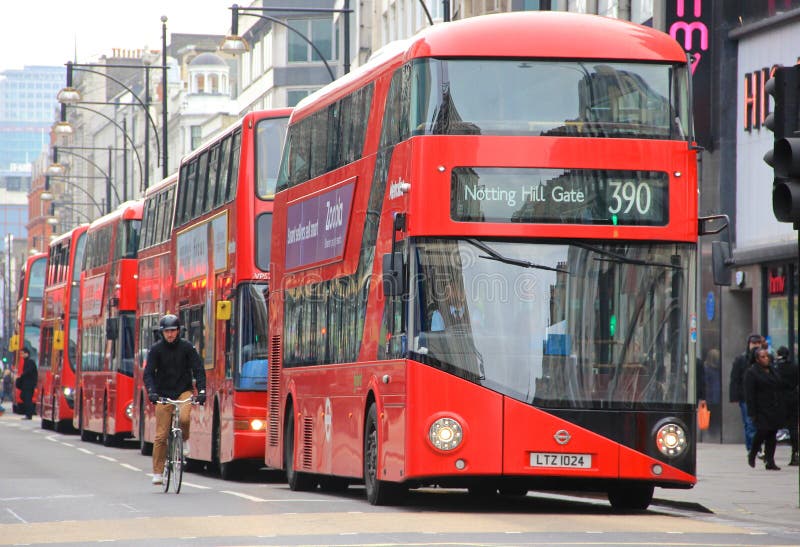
170, 368
787, 371
739, 367
29, 377
763, 396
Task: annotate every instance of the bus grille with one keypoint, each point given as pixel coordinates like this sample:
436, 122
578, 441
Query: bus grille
274, 402
308, 432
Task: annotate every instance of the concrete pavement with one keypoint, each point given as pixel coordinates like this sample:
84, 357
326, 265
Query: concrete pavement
729, 488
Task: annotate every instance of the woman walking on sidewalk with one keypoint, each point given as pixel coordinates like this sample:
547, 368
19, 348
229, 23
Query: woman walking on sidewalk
763, 387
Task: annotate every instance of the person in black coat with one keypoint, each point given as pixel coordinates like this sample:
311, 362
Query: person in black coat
27, 384
787, 370
762, 387
736, 391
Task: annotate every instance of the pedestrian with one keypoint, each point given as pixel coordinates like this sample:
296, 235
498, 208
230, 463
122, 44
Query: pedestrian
171, 365
736, 391
787, 370
26, 382
7, 392
763, 394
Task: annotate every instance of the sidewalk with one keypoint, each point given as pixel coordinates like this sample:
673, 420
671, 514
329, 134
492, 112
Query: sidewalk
729, 488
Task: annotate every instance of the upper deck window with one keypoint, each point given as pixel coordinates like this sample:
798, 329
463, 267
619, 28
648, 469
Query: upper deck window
270, 134
588, 98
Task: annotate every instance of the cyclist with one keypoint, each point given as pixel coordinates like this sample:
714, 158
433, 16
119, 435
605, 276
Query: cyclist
171, 364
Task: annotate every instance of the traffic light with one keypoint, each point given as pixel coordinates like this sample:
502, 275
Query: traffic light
784, 157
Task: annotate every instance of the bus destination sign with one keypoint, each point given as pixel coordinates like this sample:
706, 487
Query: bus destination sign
559, 196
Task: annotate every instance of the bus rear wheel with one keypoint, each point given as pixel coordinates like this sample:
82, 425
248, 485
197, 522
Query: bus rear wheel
378, 492
145, 448
630, 496
299, 482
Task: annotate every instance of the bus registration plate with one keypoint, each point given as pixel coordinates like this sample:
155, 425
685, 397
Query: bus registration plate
550, 459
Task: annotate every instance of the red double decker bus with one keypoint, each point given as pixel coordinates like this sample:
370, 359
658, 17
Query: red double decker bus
221, 235
155, 288
59, 330
104, 384
484, 266
27, 328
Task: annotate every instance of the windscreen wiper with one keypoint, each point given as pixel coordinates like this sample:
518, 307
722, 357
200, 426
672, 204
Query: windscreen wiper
616, 257
494, 255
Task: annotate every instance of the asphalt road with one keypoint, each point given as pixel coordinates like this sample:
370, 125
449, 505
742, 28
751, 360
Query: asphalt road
57, 490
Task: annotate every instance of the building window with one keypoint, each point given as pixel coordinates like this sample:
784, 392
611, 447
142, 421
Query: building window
318, 31
196, 137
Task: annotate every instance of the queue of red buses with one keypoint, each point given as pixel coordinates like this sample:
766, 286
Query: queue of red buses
27, 326
484, 266
104, 384
155, 287
58, 346
222, 227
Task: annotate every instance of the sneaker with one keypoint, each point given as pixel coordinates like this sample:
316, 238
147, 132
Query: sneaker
186, 450
157, 479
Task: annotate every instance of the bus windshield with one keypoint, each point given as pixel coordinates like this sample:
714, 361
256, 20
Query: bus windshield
589, 98
582, 325
252, 370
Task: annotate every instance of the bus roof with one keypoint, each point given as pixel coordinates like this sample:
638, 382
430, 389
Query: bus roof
163, 183
532, 34
256, 115
127, 210
70, 233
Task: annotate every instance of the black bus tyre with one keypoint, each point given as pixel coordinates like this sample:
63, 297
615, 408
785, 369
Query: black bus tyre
298, 482
107, 438
630, 496
46, 424
86, 436
378, 492
145, 448
227, 470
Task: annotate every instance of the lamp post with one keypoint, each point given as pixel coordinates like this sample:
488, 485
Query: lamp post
101, 208
235, 44
71, 96
106, 174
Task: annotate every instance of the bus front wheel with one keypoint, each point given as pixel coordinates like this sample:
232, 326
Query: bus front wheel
378, 492
630, 497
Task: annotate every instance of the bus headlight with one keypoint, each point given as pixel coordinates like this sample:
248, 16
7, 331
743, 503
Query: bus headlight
445, 434
129, 410
68, 393
671, 440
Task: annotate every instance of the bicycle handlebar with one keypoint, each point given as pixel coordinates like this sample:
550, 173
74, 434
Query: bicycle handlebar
168, 401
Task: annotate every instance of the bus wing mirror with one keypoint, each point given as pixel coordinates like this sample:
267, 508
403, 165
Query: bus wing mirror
112, 332
393, 274
58, 340
721, 260
224, 310
13, 343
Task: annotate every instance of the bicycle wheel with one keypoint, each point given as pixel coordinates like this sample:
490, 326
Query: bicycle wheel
177, 461
167, 465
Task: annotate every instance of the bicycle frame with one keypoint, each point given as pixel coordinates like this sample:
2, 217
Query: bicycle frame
174, 464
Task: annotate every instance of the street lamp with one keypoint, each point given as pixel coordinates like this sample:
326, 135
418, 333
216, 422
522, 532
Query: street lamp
106, 174
70, 95
235, 44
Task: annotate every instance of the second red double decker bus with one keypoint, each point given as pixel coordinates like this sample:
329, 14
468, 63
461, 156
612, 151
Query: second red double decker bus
104, 382
27, 328
484, 266
59, 337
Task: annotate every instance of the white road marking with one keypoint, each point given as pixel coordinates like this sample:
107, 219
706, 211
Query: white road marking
129, 466
85, 451
107, 458
242, 495
16, 516
193, 485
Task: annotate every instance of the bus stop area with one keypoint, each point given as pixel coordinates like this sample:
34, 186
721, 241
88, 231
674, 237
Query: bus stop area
729, 488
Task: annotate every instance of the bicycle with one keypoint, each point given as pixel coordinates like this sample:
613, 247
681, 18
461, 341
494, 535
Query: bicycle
174, 464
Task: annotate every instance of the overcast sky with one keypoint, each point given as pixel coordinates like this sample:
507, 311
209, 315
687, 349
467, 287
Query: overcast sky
50, 32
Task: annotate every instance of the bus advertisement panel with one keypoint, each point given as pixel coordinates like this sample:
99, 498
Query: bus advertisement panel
28, 321
221, 237
484, 266
59, 335
155, 296
104, 382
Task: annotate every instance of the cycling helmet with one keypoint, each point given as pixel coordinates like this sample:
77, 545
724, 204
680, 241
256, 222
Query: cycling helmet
170, 322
